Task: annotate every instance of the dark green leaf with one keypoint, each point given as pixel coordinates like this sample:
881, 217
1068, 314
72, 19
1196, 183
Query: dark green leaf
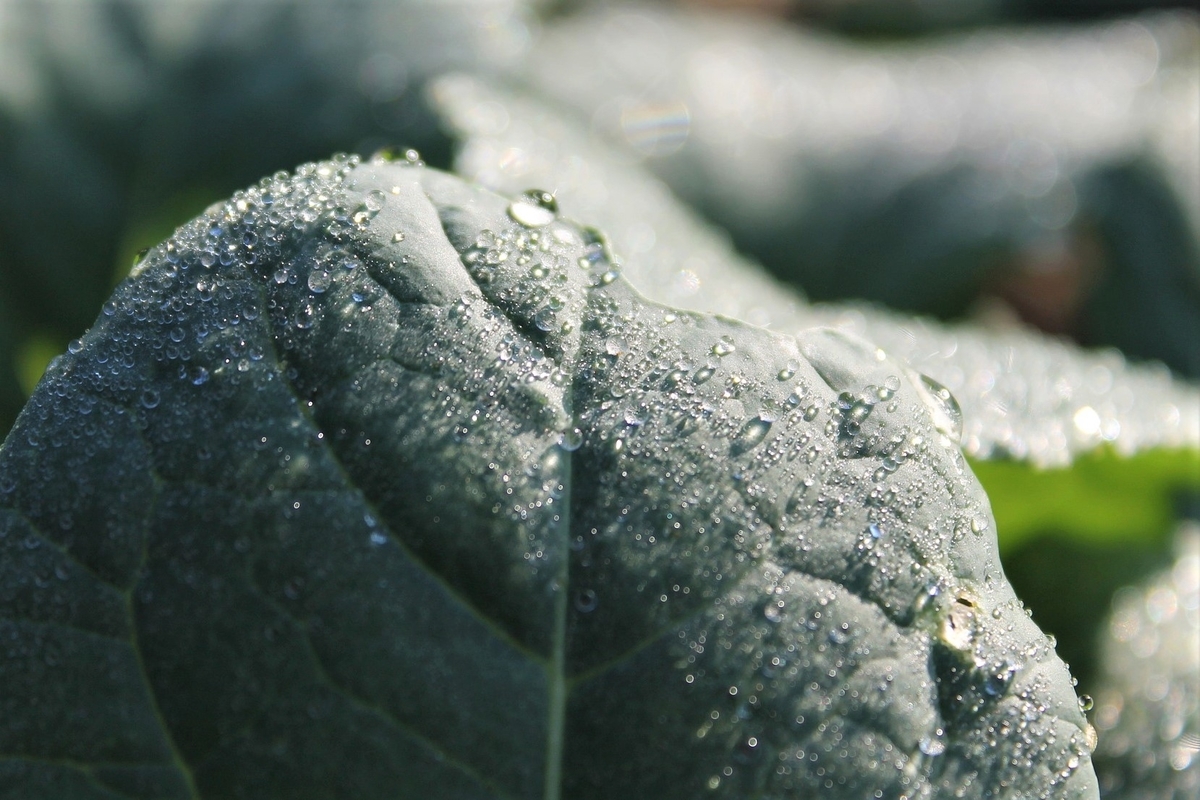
373, 484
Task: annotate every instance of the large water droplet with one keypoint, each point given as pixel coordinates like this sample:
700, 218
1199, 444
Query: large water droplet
375, 200
933, 745
319, 280
947, 416
724, 347
534, 209
570, 440
751, 435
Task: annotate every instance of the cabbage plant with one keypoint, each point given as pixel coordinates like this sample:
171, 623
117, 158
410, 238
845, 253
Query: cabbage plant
369, 482
376, 480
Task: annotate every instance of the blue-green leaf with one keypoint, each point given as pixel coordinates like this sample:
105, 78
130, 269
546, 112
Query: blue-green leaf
370, 483
1023, 395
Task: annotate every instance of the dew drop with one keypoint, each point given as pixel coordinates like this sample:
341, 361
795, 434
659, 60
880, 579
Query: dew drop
751, 435
150, 399
393, 155
947, 416
543, 320
616, 346
305, 317
570, 440
534, 209
933, 745
319, 280
724, 347
586, 601
375, 201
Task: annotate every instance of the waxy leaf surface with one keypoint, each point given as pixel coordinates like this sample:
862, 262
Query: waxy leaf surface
370, 483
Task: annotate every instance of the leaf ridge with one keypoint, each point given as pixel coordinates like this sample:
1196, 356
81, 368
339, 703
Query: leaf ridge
305, 413
365, 705
63, 551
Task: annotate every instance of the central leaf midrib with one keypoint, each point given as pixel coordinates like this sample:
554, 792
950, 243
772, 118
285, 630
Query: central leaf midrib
557, 685
557, 682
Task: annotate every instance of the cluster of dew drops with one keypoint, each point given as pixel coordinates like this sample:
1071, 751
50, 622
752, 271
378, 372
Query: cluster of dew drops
198, 283
191, 287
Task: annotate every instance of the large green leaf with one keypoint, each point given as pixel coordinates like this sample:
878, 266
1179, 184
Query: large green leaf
1023, 395
373, 484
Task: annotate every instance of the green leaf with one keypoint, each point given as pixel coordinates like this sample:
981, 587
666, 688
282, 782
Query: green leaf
1023, 395
919, 173
370, 483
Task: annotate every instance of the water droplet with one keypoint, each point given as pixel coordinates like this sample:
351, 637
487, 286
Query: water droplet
1086, 703
543, 320
787, 373
751, 435
75, 346
608, 276
933, 745
703, 374
570, 440
616, 345
375, 201
398, 236
947, 416
392, 155
586, 601
957, 628
998, 681
319, 280
150, 399
305, 317
534, 209
724, 347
